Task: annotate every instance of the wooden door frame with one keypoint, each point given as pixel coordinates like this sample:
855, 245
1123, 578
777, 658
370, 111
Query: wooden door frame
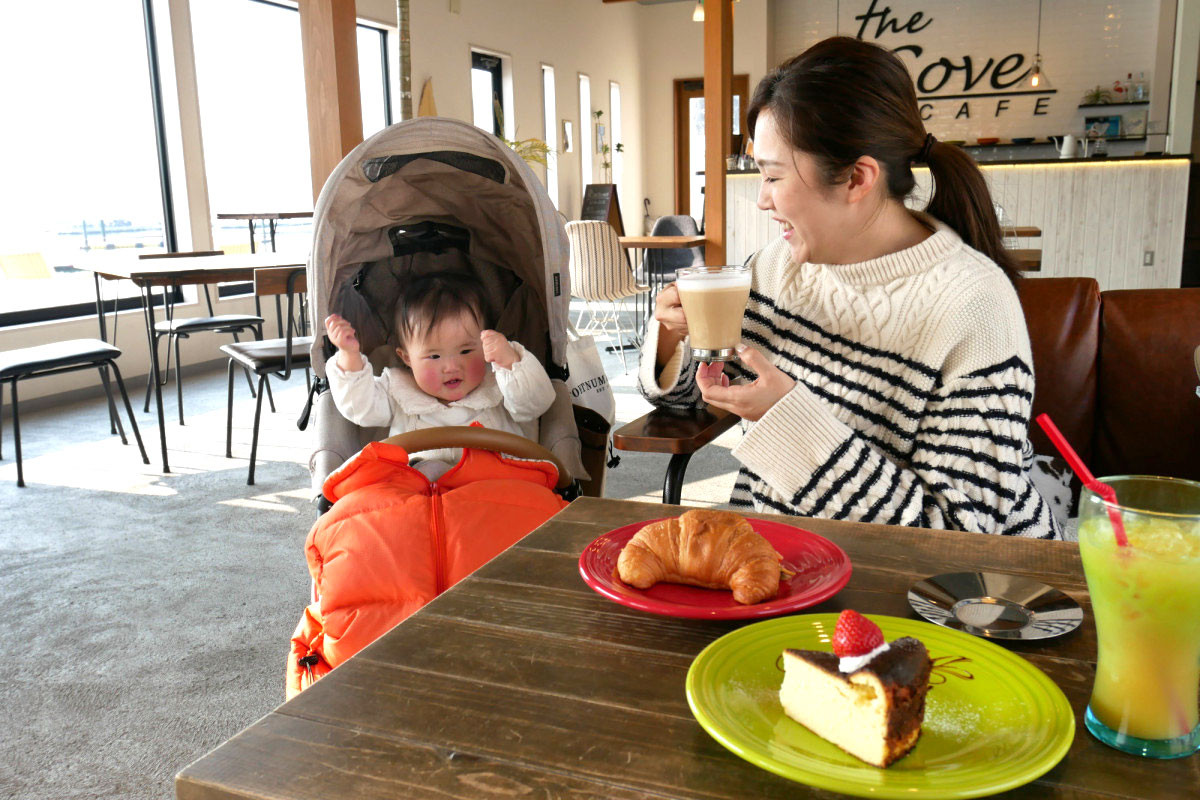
680, 94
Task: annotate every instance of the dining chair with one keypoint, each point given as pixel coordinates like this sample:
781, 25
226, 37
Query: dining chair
181, 328
277, 357
659, 266
600, 274
57, 357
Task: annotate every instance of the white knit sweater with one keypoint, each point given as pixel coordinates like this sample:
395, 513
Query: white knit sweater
914, 382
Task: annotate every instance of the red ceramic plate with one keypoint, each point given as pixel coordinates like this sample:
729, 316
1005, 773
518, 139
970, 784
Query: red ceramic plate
821, 569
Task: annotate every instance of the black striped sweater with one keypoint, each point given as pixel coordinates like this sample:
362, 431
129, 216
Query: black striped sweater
914, 383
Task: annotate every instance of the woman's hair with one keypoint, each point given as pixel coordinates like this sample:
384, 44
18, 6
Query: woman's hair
844, 98
429, 299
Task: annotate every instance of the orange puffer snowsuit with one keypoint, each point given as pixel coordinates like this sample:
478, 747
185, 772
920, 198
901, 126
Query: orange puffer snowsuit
393, 541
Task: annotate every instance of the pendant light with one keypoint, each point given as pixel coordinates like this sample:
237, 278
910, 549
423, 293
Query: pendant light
698, 11
1037, 76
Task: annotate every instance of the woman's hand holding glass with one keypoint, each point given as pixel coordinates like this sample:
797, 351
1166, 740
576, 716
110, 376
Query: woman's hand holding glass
749, 400
668, 312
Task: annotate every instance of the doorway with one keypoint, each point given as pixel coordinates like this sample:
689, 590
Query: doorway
689, 139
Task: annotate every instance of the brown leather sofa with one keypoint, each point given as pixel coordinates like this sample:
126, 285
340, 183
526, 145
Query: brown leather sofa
1114, 371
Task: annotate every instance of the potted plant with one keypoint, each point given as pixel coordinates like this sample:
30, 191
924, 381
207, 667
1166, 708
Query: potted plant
603, 147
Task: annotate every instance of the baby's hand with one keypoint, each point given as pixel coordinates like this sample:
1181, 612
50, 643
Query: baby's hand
341, 333
497, 350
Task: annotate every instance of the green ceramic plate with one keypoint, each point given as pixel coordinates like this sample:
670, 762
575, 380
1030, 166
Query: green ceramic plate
993, 721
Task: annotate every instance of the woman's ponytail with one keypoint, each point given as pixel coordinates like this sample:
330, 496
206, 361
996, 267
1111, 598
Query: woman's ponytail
962, 201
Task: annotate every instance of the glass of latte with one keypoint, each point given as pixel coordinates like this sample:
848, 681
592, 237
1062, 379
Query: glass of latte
714, 300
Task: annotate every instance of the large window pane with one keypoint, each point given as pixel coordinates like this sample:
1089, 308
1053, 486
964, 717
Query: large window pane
250, 75
250, 71
614, 138
372, 79
550, 132
585, 128
77, 149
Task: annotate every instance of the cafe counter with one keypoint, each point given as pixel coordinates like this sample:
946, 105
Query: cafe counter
1119, 220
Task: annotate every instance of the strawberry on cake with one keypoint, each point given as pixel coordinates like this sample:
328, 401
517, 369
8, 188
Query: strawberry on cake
867, 696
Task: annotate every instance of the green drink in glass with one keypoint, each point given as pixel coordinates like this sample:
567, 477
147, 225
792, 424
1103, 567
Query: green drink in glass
1146, 601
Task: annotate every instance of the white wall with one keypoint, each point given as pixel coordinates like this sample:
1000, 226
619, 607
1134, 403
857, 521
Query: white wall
1084, 43
573, 36
672, 46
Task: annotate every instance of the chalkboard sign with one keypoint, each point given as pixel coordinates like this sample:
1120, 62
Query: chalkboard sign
600, 203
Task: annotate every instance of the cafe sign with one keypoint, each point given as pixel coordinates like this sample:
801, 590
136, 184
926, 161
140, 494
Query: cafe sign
989, 80
970, 60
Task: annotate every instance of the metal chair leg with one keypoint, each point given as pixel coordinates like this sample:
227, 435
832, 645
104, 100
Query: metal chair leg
673, 483
129, 410
270, 396
229, 412
114, 419
150, 374
254, 433
112, 407
178, 378
249, 379
17, 433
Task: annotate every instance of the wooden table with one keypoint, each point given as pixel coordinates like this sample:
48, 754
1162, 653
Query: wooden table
170, 273
271, 217
522, 682
644, 243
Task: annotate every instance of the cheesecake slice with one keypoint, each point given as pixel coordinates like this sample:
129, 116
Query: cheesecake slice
873, 712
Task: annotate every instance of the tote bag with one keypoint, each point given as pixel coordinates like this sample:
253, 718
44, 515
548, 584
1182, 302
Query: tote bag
587, 382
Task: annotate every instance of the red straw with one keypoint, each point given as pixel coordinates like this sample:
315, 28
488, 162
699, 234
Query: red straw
1085, 475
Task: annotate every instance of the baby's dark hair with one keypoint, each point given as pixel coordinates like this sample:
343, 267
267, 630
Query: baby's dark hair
429, 299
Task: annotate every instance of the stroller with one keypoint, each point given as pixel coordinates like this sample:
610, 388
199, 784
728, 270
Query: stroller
419, 197
430, 195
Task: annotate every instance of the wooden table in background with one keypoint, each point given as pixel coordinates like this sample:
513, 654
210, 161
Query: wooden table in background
271, 217
170, 273
644, 243
521, 681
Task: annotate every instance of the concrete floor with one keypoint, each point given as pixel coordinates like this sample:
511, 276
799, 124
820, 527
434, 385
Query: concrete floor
147, 615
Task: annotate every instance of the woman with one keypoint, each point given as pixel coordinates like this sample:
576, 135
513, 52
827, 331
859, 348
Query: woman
886, 365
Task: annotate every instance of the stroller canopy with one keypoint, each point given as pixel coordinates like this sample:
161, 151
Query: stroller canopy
434, 195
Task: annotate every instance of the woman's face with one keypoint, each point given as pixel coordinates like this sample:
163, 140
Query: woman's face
447, 360
792, 190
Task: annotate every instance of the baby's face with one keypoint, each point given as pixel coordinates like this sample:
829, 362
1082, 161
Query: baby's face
447, 360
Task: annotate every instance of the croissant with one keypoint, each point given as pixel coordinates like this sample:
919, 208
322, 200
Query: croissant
713, 549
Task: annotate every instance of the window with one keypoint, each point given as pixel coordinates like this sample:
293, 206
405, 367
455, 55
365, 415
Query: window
585, 128
614, 133
374, 79
77, 152
79, 156
487, 92
256, 150
550, 132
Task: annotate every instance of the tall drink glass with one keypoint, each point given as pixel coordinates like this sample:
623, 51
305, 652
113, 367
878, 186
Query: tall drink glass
714, 300
1146, 600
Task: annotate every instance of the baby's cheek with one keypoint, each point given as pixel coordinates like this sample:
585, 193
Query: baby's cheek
476, 369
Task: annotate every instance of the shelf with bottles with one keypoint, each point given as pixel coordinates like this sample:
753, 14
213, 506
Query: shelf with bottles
1044, 141
1118, 103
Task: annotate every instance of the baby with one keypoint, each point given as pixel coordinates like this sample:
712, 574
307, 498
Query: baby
439, 321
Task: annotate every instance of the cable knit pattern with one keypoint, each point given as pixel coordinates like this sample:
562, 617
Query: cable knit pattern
913, 391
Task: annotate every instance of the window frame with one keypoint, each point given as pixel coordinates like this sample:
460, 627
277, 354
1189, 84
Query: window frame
63, 312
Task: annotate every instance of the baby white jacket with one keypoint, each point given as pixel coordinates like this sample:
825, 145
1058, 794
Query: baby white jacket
508, 399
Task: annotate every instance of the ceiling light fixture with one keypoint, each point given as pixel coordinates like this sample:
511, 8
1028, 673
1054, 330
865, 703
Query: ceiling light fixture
698, 11
1037, 76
